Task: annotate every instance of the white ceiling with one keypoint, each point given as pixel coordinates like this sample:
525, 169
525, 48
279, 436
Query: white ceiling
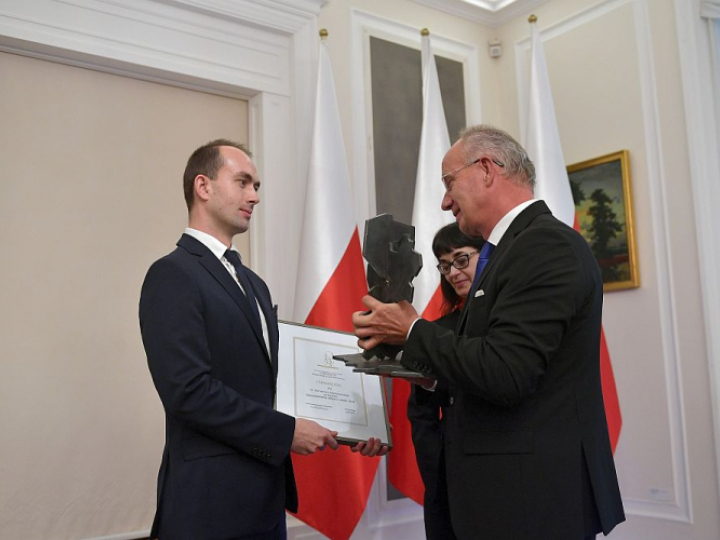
489, 12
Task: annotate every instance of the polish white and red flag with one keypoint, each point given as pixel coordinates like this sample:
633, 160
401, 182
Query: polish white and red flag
333, 486
542, 142
427, 218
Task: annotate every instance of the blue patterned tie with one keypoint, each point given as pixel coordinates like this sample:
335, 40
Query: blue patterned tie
483, 258
234, 258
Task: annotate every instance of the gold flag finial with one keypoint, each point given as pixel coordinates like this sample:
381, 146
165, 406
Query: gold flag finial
532, 19
323, 34
424, 32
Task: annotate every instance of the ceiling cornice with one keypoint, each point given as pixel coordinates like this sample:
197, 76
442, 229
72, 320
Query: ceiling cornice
286, 15
482, 11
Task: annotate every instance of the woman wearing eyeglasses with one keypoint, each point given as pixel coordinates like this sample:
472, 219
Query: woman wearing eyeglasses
457, 258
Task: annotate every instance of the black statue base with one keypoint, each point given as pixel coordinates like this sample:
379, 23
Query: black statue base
384, 367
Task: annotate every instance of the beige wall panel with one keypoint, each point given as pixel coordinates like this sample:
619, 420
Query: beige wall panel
90, 195
599, 110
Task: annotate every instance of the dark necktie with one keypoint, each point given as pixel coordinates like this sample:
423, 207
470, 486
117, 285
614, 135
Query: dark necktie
240, 272
483, 258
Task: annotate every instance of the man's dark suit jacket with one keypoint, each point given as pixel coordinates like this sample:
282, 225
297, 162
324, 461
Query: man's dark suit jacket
423, 411
527, 449
226, 470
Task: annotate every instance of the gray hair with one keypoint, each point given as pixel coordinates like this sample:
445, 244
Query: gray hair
495, 142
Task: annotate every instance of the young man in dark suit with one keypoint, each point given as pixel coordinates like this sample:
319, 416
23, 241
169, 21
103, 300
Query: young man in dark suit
527, 452
211, 337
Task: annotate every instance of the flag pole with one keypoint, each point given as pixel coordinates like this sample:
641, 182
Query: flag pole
427, 218
333, 487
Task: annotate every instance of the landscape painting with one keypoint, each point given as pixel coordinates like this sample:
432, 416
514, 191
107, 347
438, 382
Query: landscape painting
602, 193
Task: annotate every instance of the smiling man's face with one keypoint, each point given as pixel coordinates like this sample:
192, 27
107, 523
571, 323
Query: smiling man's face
465, 194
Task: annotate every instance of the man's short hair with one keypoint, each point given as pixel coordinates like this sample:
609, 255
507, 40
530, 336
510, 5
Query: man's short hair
501, 146
207, 161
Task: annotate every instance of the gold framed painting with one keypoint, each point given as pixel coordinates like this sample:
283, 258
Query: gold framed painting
602, 193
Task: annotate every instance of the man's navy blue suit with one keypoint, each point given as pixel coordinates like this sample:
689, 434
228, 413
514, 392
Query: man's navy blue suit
226, 471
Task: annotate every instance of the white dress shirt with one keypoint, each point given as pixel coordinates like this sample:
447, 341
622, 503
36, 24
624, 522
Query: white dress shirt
504, 224
218, 249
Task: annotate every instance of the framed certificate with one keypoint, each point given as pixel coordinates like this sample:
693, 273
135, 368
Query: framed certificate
312, 385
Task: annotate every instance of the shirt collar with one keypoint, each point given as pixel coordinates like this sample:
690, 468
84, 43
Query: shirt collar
504, 224
213, 244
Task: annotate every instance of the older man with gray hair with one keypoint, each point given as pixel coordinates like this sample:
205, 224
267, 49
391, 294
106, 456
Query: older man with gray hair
526, 447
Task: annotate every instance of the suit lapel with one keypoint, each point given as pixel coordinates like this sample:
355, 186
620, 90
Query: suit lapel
216, 269
519, 224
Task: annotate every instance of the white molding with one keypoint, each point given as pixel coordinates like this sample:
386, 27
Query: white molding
484, 12
363, 170
285, 15
680, 508
273, 146
156, 39
700, 90
362, 26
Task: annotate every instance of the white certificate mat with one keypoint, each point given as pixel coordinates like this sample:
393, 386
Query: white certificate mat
312, 385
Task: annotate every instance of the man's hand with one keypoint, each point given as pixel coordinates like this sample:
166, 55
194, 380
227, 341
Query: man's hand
386, 323
310, 437
371, 448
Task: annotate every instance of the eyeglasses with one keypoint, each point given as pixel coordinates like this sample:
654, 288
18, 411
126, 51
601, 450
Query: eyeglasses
459, 262
449, 177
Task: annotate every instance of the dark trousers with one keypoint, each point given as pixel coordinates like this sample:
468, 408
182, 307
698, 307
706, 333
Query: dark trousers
279, 532
591, 516
437, 509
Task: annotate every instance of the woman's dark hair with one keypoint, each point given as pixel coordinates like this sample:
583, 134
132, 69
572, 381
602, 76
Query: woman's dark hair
447, 240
